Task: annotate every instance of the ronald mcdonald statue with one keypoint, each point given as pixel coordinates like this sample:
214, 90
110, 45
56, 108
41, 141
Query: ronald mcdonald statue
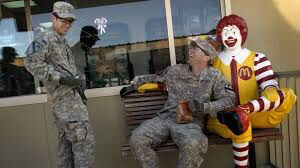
260, 101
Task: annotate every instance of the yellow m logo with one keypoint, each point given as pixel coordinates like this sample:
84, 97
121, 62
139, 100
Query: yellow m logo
245, 72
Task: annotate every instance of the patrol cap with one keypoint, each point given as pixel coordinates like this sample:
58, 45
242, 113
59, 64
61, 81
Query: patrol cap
207, 48
64, 10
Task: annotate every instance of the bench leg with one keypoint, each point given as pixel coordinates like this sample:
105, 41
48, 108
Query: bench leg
252, 158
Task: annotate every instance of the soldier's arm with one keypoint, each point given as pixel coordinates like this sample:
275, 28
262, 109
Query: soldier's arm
152, 78
223, 97
146, 83
36, 63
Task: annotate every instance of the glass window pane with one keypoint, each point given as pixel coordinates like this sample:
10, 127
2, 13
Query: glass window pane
133, 38
192, 17
14, 40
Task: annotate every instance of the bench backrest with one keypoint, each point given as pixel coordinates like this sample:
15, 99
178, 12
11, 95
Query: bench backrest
140, 107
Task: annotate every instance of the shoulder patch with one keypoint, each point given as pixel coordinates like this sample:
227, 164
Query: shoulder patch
35, 46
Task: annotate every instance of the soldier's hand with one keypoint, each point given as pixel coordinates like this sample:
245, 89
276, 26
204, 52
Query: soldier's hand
126, 90
196, 106
71, 81
80, 91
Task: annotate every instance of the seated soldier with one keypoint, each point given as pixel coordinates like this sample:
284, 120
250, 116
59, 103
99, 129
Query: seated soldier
194, 90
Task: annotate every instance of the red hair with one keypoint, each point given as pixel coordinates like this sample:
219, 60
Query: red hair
233, 20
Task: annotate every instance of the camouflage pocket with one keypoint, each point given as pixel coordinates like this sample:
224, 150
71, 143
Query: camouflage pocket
76, 131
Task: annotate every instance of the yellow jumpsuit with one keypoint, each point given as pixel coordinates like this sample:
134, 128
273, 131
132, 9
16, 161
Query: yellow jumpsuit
248, 90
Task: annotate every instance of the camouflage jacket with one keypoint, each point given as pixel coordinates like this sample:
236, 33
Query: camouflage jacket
208, 87
51, 55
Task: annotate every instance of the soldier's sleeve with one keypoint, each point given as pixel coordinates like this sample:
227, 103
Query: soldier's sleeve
223, 96
155, 78
36, 62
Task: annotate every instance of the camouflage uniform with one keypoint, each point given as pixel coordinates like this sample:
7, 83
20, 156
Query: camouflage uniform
208, 87
47, 56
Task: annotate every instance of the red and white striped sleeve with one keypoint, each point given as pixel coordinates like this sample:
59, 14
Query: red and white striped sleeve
263, 72
265, 78
263, 104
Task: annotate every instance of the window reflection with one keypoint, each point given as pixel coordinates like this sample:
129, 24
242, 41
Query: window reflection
134, 41
14, 39
192, 17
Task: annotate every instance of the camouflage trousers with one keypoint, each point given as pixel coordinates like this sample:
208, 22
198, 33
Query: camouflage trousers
76, 145
190, 139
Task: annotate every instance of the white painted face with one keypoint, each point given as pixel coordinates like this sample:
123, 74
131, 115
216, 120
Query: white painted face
231, 37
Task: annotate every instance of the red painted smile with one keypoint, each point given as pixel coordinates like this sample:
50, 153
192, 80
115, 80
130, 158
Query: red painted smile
230, 42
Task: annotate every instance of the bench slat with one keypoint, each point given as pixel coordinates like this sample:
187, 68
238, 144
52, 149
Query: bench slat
138, 113
137, 109
145, 103
140, 99
140, 117
147, 94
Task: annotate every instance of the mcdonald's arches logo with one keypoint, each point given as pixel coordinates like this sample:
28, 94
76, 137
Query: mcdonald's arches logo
245, 73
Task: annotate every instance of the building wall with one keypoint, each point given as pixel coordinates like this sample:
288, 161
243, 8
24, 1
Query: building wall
274, 29
29, 138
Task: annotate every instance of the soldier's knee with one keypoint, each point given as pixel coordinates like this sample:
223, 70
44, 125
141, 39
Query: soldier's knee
192, 144
138, 140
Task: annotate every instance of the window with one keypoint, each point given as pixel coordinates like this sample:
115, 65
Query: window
14, 39
133, 38
192, 17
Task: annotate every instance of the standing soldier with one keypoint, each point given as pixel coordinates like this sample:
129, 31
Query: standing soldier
50, 60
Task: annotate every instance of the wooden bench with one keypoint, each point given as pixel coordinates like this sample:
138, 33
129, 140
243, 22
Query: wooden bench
140, 107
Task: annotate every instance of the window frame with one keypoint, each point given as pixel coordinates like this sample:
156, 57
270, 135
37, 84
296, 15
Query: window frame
106, 91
